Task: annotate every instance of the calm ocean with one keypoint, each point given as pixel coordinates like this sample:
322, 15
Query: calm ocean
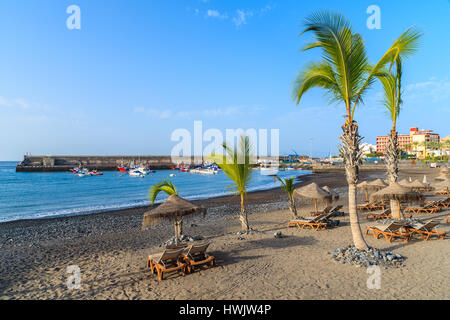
37, 195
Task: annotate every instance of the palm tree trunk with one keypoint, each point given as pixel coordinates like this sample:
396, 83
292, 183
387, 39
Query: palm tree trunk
352, 158
243, 217
292, 207
392, 157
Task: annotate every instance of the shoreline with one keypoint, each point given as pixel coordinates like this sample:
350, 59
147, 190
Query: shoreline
111, 251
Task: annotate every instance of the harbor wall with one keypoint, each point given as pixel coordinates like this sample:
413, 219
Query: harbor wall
41, 163
103, 163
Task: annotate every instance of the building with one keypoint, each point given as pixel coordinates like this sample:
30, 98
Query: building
367, 148
416, 142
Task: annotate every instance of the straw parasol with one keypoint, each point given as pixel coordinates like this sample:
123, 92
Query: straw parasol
377, 184
417, 185
173, 209
334, 194
443, 185
404, 182
363, 186
396, 192
314, 192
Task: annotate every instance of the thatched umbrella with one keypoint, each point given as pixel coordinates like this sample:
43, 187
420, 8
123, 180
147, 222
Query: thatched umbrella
396, 192
363, 186
314, 192
173, 209
334, 194
418, 186
404, 182
377, 184
443, 185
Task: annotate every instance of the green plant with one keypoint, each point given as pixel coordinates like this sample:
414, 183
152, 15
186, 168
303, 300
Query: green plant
287, 184
345, 73
237, 166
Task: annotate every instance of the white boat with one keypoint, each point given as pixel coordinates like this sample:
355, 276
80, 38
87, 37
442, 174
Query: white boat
136, 173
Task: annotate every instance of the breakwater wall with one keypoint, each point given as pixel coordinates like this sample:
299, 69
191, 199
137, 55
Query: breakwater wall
103, 163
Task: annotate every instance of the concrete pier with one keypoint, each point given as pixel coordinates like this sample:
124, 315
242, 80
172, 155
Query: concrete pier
103, 163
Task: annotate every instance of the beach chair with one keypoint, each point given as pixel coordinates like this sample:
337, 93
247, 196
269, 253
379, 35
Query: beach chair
314, 223
196, 255
380, 215
390, 231
426, 231
372, 206
432, 207
330, 209
324, 211
447, 220
167, 261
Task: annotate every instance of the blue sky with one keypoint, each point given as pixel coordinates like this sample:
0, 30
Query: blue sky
137, 70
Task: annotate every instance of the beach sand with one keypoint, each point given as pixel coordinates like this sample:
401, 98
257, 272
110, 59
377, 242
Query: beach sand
111, 250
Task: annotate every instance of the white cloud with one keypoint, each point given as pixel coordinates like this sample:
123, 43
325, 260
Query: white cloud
209, 113
241, 17
16, 103
216, 14
435, 90
154, 113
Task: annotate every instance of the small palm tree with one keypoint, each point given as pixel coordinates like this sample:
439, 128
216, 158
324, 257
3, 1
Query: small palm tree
346, 74
287, 184
237, 166
167, 187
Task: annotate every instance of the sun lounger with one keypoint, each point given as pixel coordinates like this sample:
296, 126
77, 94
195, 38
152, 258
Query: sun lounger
426, 230
196, 255
314, 223
429, 208
167, 261
330, 209
372, 206
443, 203
390, 231
380, 215
325, 211
447, 220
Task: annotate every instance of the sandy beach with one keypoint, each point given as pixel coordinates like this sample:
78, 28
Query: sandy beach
111, 250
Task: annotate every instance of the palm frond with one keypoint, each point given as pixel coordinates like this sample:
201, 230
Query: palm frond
164, 186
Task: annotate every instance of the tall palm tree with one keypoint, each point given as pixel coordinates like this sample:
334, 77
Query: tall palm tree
169, 188
392, 100
287, 184
237, 165
345, 74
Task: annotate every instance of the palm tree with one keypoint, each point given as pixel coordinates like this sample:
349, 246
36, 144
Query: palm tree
287, 184
167, 187
237, 166
345, 74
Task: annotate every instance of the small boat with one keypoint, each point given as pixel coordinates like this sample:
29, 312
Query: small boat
172, 175
123, 169
136, 173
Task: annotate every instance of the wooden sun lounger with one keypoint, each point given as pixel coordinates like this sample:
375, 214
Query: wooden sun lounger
430, 208
377, 216
389, 231
314, 223
196, 255
167, 261
443, 203
372, 206
328, 210
426, 230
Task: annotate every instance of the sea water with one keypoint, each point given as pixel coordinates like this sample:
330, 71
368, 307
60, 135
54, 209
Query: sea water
31, 195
